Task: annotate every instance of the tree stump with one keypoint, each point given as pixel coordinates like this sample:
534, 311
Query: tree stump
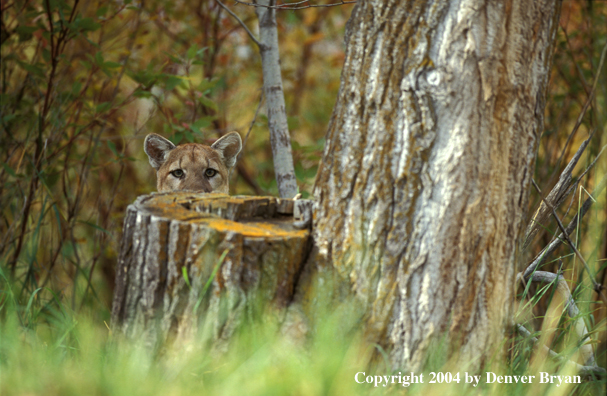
192, 263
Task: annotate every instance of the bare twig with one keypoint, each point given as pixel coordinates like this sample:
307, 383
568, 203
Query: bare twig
244, 142
556, 196
596, 286
569, 52
593, 162
539, 259
306, 56
251, 35
572, 311
248, 179
165, 29
584, 370
297, 5
56, 49
88, 158
586, 105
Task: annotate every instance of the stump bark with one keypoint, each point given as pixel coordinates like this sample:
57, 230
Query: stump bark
202, 263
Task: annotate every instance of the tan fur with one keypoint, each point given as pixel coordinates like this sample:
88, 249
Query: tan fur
193, 166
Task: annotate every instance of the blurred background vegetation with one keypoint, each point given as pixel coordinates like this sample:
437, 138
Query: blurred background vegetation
83, 82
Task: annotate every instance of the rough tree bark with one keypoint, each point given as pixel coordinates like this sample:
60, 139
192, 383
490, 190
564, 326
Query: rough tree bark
275, 101
201, 263
426, 170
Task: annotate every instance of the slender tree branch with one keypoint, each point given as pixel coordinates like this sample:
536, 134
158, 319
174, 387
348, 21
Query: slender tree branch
297, 5
569, 52
251, 35
55, 51
572, 311
244, 142
596, 286
593, 162
584, 370
587, 104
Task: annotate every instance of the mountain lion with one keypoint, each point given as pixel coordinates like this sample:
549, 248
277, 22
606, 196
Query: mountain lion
192, 166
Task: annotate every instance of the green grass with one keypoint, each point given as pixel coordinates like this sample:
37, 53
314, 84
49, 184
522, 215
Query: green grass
47, 349
77, 163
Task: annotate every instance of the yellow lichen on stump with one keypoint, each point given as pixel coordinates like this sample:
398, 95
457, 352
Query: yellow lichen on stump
192, 263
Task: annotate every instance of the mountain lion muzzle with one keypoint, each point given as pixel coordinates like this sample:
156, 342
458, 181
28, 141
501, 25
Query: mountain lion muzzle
192, 166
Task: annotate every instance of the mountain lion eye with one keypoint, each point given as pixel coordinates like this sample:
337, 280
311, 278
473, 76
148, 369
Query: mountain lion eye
210, 172
178, 173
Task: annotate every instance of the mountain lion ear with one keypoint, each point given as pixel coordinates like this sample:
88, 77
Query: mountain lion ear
228, 147
157, 148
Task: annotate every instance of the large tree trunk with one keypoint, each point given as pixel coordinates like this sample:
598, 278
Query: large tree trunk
427, 165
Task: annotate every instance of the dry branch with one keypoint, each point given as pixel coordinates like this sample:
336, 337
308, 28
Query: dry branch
560, 191
202, 263
296, 5
596, 285
572, 310
584, 370
280, 139
539, 259
556, 197
245, 27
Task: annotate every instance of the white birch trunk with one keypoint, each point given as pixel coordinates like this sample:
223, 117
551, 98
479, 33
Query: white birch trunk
275, 101
424, 181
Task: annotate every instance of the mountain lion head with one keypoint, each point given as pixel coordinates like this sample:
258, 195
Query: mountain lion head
192, 166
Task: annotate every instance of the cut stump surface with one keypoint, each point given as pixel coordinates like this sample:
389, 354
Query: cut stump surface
202, 262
